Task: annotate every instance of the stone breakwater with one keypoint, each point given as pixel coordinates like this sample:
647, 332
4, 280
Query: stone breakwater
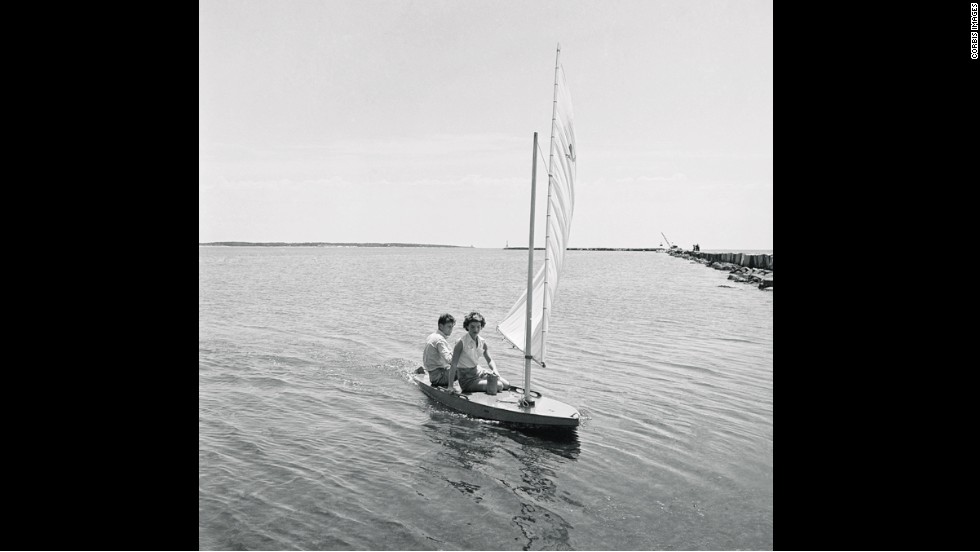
752, 269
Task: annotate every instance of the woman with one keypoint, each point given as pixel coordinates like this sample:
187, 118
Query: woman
467, 352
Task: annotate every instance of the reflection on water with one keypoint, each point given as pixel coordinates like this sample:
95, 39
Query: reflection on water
468, 446
525, 462
541, 526
563, 442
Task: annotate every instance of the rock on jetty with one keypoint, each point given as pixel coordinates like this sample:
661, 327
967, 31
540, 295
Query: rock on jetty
753, 269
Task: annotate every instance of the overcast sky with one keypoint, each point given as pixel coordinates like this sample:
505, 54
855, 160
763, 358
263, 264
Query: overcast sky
412, 121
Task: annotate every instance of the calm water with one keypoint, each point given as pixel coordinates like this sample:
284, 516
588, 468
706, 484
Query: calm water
311, 435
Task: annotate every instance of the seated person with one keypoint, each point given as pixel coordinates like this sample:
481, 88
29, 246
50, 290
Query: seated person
466, 354
436, 356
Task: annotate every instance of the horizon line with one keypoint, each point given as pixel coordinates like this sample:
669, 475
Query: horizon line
404, 244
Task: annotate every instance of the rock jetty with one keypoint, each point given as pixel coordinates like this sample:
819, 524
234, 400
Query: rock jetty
596, 248
751, 269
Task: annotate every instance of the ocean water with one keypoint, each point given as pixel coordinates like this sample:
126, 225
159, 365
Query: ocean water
311, 435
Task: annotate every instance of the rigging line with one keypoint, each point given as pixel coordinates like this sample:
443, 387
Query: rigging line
541, 153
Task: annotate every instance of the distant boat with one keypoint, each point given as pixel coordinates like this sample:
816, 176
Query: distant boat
526, 325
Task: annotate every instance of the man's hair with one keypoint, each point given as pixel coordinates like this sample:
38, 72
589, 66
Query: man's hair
474, 317
446, 319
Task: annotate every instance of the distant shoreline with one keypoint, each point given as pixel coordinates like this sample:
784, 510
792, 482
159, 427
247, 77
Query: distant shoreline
324, 244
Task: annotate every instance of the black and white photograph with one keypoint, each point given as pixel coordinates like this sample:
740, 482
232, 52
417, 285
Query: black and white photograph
485, 275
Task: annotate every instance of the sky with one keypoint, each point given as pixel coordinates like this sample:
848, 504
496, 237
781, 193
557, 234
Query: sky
412, 121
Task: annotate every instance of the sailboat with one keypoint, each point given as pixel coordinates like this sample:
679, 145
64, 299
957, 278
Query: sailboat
526, 324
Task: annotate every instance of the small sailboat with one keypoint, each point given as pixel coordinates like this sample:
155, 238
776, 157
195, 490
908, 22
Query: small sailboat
526, 325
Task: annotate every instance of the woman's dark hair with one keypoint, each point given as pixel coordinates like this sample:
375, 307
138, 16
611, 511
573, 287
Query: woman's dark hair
474, 317
446, 318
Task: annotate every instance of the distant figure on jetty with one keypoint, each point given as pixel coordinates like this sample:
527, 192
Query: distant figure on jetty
697, 247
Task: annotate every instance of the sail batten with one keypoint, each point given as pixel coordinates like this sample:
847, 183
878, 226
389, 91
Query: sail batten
560, 207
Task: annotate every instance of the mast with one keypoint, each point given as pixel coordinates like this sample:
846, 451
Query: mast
546, 305
527, 401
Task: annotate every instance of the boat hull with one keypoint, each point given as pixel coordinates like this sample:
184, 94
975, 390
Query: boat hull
504, 406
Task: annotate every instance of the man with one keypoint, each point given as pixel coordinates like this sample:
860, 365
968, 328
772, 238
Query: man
438, 355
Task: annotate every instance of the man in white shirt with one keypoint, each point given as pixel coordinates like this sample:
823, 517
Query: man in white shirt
438, 354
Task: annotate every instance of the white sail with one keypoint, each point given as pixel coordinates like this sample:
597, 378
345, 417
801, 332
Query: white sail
561, 201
